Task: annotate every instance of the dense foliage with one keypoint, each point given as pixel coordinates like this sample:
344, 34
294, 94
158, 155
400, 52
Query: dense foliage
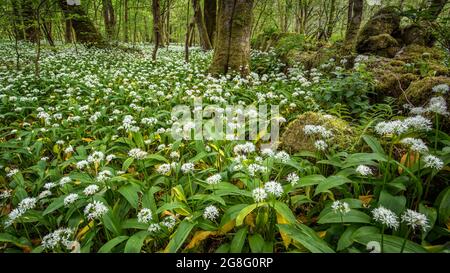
88, 162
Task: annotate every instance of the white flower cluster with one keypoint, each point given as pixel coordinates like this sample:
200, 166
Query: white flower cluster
211, 213
273, 188
149, 121
70, 199
137, 153
416, 145
58, 237
103, 176
441, 88
340, 207
293, 178
385, 217
415, 219
90, 190
259, 194
433, 162
244, 148
95, 210
24, 205
128, 123
282, 156
214, 179
144, 216
254, 168
317, 130
398, 127
187, 167
364, 170
96, 157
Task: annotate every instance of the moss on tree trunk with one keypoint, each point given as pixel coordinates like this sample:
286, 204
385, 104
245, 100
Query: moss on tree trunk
232, 51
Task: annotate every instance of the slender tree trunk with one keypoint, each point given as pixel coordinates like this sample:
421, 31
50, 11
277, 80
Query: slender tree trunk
331, 19
355, 10
109, 19
210, 15
68, 31
156, 26
85, 31
17, 21
188, 29
125, 21
201, 27
232, 52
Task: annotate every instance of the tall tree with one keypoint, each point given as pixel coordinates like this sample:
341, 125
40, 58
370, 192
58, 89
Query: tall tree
232, 50
125, 20
210, 15
156, 11
85, 31
109, 18
201, 27
17, 20
355, 11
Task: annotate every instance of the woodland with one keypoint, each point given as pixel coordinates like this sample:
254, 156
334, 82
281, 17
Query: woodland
95, 158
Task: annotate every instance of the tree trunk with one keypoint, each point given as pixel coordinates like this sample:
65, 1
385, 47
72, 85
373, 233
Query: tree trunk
85, 31
210, 15
200, 22
355, 10
68, 31
232, 52
331, 19
17, 21
156, 26
125, 21
109, 19
29, 21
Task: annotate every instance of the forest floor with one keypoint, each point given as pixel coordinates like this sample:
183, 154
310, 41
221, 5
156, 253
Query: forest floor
90, 160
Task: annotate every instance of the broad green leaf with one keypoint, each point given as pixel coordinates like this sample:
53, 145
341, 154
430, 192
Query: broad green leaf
180, 235
244, 212
346, 238
331, 182
135, 242
56, 204
394, 203
238, 240
310, 180
374, 144
353, 216
127, 163
392, 244
256, 242
306, 237
285, 211
106, 248
130, 192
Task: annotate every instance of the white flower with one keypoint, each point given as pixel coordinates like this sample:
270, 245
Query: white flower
144, 216
433, 162
256, 168
44, 194
149, 121
385, 217
391, 127
103, 176
153, 228
437, 105
415, 219
110, 157
59, 236
364, 170
244, 148
70, 199
267, 152
259, 194
282, 156
27, 203
5, 194
292, 178
187, 167
164, 168
210, 213
90, 190
169, 222
341, 207
274, 188
214, 179
441, 88
317, 129
174, 155
417, 123
49, 185
68, 149
320, 145
416, 145
82, 164
65, 180
96, 157
12, 172
95, 210
137, 153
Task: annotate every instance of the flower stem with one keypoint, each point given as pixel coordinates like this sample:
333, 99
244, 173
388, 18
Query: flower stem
404, 241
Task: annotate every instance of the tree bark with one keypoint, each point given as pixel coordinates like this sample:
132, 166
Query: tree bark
331, 19
17, 21
232, 52
355, 10
125, 21
85, 31
201, 27
109, 19
210, 15
68, 31
156, 27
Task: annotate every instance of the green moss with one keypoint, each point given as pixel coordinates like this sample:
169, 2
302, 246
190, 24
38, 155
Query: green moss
385, 21
419, 92
382, 45
294, 140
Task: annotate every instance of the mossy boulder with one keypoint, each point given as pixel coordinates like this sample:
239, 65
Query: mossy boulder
382, 45
418, 35
294, 139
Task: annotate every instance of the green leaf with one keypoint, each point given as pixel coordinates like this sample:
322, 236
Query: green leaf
310, 180
244, 212
126, 164
374, 144
133, 224
306, 237
394, 203
346, 238
431, 215
256, 242
353, 216
331, 182
8, 238
56, 204
392, 244
238, 240
106, 248
130, 192
180, 235
112, 223
285, 211
135, 242
443, 204
156, 157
